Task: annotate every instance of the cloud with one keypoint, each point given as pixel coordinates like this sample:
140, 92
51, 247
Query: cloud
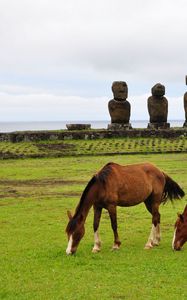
75, 49
20, 103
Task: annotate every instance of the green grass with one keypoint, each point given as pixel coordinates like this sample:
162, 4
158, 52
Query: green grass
34, 197
92, 147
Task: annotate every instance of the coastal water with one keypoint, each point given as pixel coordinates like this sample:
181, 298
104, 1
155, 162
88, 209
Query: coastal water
57, 125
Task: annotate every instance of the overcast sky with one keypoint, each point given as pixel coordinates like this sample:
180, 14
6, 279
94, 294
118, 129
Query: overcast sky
58, 58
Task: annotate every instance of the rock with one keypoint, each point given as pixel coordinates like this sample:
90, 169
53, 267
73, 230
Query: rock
78, 126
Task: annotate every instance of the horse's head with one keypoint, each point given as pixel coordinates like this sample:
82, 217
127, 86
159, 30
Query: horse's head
75, 231
180, 233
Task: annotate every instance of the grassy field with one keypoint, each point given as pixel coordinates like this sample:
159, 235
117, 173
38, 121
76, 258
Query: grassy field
34, 197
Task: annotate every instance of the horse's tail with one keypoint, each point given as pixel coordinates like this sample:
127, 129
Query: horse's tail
171, 190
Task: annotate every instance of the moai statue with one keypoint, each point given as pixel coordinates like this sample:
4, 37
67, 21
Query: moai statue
185, 106
119, 108
158, 108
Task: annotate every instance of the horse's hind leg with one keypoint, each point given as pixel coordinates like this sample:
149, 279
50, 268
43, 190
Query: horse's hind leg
113, 218
97, 217
152, 205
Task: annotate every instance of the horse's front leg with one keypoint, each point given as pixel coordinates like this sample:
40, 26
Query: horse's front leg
113, 218
97, 241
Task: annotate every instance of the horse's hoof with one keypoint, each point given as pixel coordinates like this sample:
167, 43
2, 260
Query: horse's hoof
149, 246
155, 244
115, 247
96, 250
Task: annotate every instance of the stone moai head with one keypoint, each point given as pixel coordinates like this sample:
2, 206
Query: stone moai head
120, 90
158, 90
185, 105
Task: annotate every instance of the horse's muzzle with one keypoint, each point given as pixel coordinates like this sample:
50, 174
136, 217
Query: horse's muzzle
177, 247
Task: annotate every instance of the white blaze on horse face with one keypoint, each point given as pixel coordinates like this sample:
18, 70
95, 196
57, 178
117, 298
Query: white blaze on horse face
174, 236
70, 243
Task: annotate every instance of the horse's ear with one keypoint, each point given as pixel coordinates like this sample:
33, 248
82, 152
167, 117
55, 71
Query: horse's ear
181, 217
69, 215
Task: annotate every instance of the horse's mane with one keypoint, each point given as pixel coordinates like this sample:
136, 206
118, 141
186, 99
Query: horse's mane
73, 222
87, 188
100, 177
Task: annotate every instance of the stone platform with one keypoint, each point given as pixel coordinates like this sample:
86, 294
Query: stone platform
162, 125
116, 126
26, 136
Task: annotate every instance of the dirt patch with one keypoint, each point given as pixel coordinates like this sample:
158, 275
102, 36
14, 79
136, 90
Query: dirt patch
57, 147
8, 204
42, 182
4, 222
41, 197
36, 189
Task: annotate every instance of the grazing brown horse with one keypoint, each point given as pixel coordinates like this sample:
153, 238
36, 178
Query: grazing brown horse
180, 233
116, 185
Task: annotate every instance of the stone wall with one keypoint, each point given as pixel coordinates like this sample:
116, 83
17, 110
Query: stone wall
27, 136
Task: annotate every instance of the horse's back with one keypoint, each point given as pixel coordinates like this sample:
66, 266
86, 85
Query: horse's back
131, 184
147, 168
146, 174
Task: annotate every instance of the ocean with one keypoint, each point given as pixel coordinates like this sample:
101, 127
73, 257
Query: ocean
57, 125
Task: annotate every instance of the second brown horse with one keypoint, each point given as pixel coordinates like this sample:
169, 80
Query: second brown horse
115, 185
